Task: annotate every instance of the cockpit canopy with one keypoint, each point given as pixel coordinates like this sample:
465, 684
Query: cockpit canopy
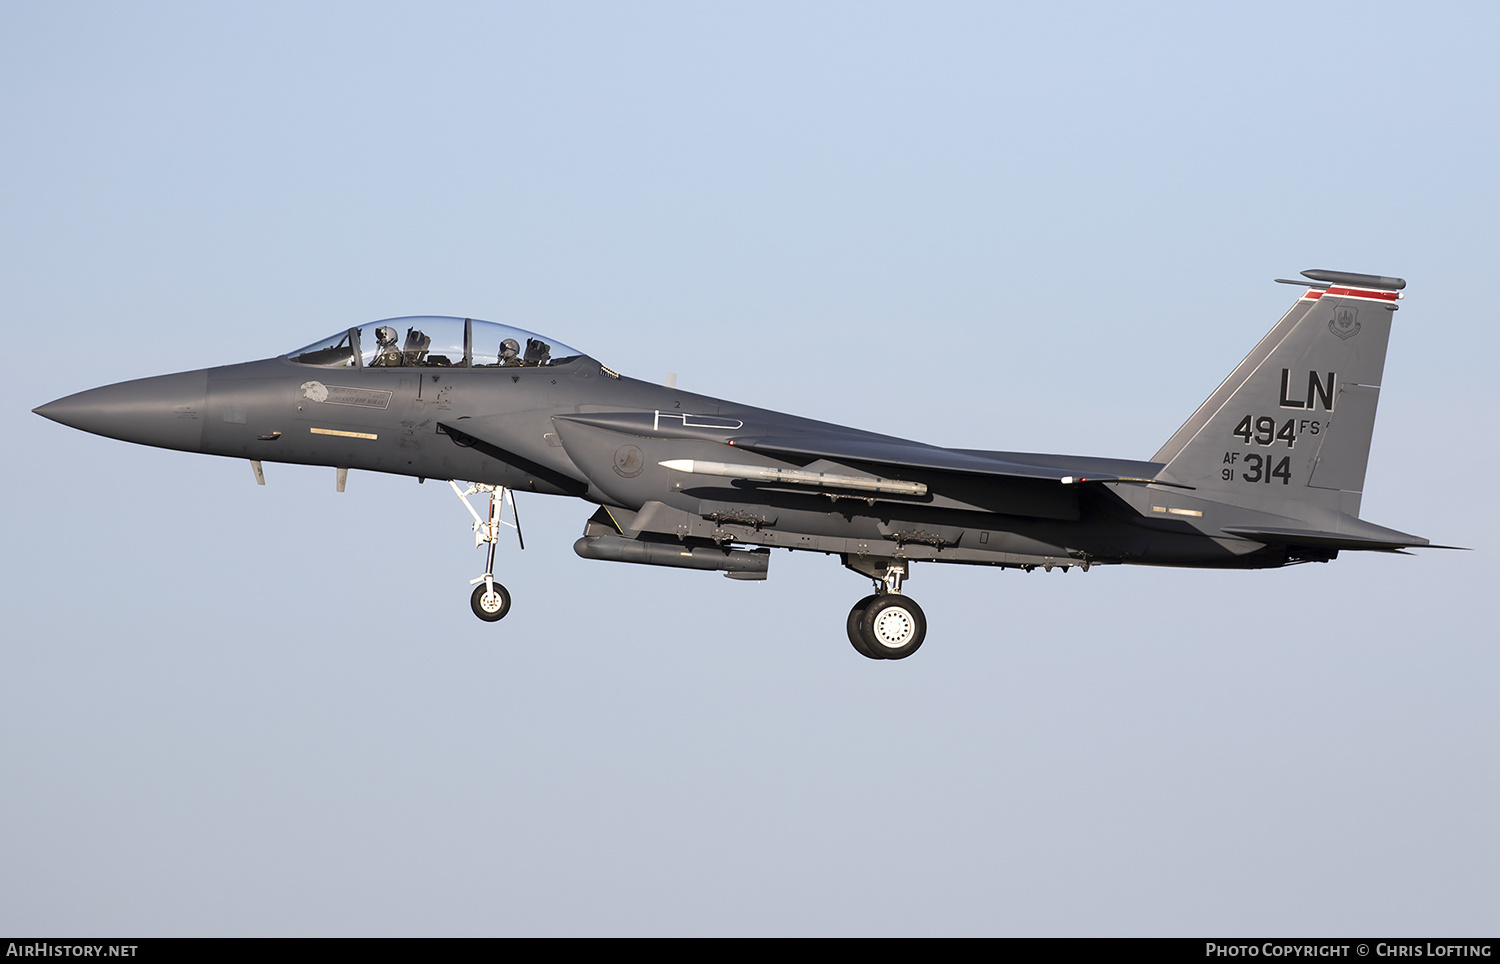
434, 341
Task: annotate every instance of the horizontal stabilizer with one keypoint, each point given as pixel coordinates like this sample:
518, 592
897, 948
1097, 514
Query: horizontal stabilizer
1368, 536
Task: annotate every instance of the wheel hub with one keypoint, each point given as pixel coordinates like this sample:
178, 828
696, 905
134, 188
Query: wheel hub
894, 628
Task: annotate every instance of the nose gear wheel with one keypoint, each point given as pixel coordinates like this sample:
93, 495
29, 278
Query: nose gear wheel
490, 603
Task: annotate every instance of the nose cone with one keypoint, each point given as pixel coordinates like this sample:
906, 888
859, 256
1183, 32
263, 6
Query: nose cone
166, 411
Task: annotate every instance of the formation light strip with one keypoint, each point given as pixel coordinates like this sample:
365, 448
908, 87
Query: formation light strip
333, 431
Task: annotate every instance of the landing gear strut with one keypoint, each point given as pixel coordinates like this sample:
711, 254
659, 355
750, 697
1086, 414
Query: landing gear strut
888, 624
490, 600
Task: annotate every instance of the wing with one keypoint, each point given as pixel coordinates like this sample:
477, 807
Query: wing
815, 441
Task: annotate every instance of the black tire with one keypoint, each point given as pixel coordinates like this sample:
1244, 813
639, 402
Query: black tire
852, 625
490, 615
893, 626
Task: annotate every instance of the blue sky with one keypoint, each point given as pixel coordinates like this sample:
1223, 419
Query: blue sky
242, 710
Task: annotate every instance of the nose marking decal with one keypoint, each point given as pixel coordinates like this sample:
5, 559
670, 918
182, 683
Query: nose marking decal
344, 395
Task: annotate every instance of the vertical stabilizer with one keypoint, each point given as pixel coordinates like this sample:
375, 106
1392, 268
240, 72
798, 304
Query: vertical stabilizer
1289, 430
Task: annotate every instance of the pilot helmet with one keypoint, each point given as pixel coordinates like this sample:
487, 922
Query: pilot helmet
385, 336
510, 348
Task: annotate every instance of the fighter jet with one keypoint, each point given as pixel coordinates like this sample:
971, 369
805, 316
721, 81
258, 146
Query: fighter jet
1267, 472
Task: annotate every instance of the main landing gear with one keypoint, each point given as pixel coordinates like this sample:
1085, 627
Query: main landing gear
887, 624
490, 600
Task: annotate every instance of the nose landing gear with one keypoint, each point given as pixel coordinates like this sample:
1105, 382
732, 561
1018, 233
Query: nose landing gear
490, 600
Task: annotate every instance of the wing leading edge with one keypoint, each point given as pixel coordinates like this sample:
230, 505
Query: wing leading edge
1064, 470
